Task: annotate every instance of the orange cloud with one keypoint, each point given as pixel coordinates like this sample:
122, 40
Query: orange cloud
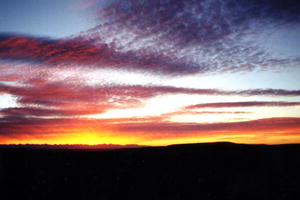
94, 131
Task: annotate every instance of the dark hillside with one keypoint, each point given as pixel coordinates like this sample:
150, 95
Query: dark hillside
194, 171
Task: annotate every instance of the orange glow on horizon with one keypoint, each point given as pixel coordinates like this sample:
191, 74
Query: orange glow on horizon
92, 132
94, 138
85, 138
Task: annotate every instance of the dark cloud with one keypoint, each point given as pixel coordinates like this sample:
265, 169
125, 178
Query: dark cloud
264, 125
36, 111
53, 52
147, 128
189, 112
14, 125
46, 98
169, 36
243, 104
200, 21
60, 93
200, 36
84, 52
271, 92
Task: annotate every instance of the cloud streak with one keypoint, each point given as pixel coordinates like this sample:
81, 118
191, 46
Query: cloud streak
243, 104
44, 98
269, 124
150, 131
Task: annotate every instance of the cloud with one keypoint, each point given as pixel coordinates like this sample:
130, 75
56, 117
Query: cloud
83, 52
143, 129
42, 97
197, 21
188, 112
201, 36
243, 104
36, 111
53, 52
16, 126
170, 37
176, 128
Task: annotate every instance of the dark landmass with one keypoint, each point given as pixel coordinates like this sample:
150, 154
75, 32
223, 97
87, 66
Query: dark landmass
193, 171
70, 146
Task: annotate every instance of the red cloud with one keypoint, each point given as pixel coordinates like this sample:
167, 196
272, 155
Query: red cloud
67, 99
243, 104
81, 51
283, 128
264, 125
53, 52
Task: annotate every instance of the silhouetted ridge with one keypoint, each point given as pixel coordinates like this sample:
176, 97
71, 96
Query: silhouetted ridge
208, 171
69, 146
205, 144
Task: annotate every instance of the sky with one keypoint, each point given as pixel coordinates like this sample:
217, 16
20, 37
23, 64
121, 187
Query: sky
149, 72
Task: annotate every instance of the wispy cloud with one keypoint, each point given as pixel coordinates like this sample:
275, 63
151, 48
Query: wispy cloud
77, 99
179, 128
243, 104
170, 37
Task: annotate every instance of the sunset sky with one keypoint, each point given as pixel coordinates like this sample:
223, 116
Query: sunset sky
149, 72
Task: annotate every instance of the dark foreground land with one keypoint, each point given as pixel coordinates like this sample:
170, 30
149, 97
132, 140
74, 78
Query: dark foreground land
195, 171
